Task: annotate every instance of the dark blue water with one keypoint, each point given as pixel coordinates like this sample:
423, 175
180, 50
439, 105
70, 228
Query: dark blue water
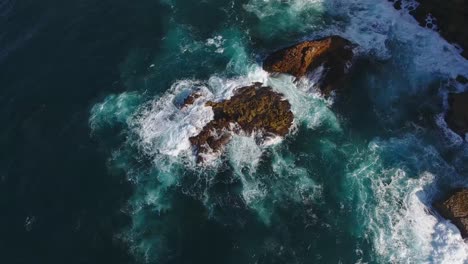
56, 59
94, 161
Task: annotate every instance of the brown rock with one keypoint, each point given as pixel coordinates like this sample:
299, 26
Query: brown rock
252, 109
457, 115
191, 99
455, 208
334, 53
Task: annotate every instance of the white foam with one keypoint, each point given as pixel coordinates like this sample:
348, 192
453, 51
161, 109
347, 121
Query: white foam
452, 138
217, 42
373, 24
270, 141
400, 222
165, 128
244, 151
287, 183
265, 9
280, 16
115, 109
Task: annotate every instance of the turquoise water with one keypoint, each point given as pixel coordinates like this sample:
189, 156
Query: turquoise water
352, 183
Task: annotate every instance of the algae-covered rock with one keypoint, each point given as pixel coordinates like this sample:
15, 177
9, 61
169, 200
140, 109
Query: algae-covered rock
455, 208
252, 109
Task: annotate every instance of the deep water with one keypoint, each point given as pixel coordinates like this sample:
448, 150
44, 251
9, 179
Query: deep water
96, 165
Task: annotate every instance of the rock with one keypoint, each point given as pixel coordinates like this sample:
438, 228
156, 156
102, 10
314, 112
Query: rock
191, 99
252, 109
397, 4
449, 16
333, 53
461, 79
455, 208
457, 115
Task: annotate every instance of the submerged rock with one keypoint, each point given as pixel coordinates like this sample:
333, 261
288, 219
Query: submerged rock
457, 115
455, 208
333, 53
461, 79
191, 99
252, 109
448, 17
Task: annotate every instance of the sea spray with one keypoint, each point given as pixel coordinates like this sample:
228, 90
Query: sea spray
397, 177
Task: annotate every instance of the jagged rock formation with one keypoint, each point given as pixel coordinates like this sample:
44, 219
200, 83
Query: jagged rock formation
449, 15
455, 208
252, 109
457, 115
333, 53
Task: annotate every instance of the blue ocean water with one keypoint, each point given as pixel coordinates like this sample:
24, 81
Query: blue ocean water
98, 168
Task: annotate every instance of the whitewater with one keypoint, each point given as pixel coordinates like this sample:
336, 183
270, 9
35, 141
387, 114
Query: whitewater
353, 182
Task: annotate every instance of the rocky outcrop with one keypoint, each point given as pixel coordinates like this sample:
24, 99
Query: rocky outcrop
457, 115
448, 17
333, 53
455, 208
252, 109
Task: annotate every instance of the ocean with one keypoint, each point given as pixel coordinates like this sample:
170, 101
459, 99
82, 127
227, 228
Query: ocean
96, 164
